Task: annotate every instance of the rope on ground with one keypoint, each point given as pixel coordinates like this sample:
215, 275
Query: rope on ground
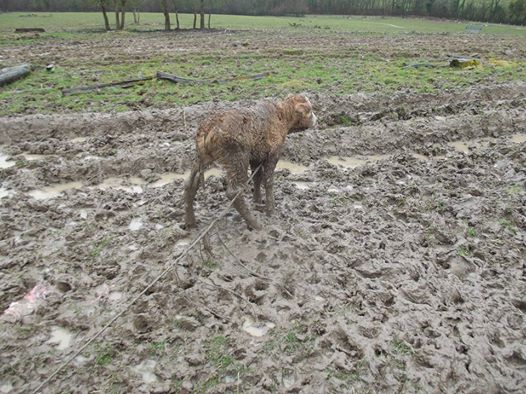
145, 290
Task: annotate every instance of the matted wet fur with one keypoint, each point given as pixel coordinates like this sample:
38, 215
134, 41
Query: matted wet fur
239, 138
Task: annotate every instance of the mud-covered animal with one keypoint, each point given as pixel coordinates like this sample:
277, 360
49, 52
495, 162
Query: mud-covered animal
239, 138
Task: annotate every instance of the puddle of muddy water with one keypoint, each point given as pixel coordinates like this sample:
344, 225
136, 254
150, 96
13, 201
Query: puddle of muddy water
60, 337
420, 157
4, 163
78, 140
53, 191
292, 167
169, 177
117, 184
135, 225
300, 185
5, 192
354, 162
34, 157
466, 146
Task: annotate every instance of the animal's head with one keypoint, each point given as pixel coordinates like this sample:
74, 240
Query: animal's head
300, 112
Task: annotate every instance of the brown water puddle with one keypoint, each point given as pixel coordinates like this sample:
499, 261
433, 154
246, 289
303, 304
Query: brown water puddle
53, 191
354, 161
5, 192
518, 138
117, 184
78, 140
169, 177
4, 163
292, 167
467, 146
138, 184
34, 157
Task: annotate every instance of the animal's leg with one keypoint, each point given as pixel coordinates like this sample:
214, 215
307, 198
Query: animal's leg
258, 178
236, 172
190, 190
268, 178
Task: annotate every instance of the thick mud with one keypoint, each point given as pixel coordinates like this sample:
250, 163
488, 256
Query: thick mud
396, 260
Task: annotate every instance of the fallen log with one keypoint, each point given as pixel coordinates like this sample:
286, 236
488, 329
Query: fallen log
162, 76
176, 79
11, 74
30, 30
82, 89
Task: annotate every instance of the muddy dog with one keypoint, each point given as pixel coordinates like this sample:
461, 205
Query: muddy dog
239, 138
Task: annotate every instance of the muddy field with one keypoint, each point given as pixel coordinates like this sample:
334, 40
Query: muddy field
396, 260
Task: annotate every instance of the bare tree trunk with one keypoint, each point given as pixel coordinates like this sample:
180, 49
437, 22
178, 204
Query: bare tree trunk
195, 20
209, 17
105, 15
136, 16
117, 19
202, 15
177, 20
166, 12
123, 14
120, 13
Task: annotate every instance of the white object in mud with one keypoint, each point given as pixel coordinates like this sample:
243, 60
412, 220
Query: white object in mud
255, 329
19, 309
60, 337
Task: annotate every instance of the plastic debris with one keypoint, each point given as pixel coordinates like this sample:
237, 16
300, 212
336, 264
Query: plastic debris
19, 309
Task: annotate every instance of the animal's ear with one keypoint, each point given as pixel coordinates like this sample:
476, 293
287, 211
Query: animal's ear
302, 108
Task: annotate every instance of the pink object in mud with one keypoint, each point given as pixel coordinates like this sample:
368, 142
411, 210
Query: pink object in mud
18, 309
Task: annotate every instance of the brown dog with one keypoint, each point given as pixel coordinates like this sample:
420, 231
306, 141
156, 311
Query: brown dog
241, 137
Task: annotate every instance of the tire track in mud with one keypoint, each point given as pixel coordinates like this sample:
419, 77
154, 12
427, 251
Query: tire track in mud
401, 274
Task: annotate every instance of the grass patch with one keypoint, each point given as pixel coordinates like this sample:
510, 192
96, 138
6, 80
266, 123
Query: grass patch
157, 348
508, 225
218, 354
401, 347
93, 22
291, 341
335, 69
464, 251
101, 245
104, 355
210, 264
514, 189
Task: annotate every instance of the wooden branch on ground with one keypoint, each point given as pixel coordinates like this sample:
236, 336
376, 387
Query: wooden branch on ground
11, 74
176, 79
82, 89
163, 76
30, 30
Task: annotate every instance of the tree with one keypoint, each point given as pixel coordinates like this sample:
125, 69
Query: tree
136, 6
103, 4
166, 12
176, 15
518, 11
123, 13
202, 14
120, 13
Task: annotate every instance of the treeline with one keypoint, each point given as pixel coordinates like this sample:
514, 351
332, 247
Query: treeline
500, 11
